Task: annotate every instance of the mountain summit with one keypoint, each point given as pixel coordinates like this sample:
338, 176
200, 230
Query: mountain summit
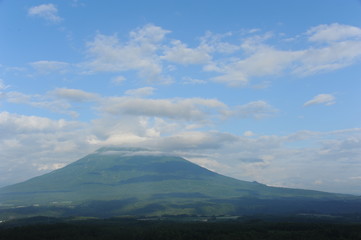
136, 181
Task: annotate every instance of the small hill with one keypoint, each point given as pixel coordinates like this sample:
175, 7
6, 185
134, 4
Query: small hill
134, 181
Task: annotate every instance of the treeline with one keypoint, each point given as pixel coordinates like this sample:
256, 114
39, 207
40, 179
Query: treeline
166, 230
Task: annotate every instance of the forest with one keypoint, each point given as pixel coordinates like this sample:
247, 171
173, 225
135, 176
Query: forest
162, 229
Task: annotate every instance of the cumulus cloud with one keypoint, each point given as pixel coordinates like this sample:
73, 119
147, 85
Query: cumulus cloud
133, 131
180, 53
139, 53
45, 142
326, 99
264, 61
143, 122
216, 43
192, 109
194, 140
41, 101
48, 12
152, 55
74, 95
198, 110
149, 34
341, 48
14, 122
140, 92
256, 110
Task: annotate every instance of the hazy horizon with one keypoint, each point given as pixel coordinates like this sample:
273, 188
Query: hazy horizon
264, 91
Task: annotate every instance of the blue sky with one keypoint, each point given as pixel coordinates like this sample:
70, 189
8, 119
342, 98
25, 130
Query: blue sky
259, 90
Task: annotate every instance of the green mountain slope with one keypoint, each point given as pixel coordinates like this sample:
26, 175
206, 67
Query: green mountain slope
117, 181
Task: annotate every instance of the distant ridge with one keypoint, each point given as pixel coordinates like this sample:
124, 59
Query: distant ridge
115, 181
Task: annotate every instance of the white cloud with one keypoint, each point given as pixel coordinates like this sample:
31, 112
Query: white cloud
333, 32
39, 101
194, 140
231, 76
47, 11
200, 110
302, 135
180, 53
118, 79
345, 149
17, 97
256, 110
215, 43
342, 48
265, 61
28, 142
139, 53
149, 34
254, 42
193, 109
189, 80
140, 92
326, 99
126, 130
120, 139
248, 134
46, 67
14, 123
74, 95
47, 167
332, 57
144, 121
149, 52
2, 85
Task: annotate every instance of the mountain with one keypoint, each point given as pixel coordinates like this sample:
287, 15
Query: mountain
133, 181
